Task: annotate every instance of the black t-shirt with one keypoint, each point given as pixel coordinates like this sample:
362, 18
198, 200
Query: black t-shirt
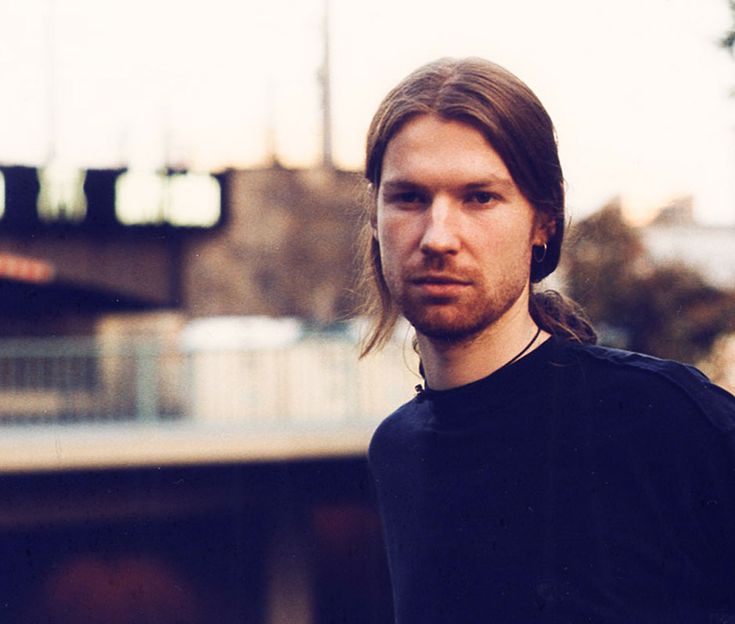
580, 484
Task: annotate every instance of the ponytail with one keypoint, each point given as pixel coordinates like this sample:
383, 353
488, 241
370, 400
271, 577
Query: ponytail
561, 316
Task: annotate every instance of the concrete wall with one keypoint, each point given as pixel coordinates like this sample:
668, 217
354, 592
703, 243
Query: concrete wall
287, 248
139, 266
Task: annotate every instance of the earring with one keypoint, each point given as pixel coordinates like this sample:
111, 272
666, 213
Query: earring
539, 258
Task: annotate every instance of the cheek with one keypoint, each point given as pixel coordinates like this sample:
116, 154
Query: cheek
516, 251
394, 251
502, 251
388, 235
388, 254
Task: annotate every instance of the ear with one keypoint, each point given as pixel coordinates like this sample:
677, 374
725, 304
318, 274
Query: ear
544, 228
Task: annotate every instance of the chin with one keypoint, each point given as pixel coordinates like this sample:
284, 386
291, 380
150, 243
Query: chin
458, 322
450, 327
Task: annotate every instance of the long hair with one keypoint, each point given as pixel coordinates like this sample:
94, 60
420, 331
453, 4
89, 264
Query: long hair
513, 120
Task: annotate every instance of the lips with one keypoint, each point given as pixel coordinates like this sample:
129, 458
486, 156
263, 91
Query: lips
439, 286
430, 278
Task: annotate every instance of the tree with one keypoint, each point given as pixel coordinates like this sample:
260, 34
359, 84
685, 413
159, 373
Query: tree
728, 41
667, 310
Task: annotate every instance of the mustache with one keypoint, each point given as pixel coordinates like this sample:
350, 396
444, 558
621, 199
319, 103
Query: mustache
438, 277
441, 276
438, 269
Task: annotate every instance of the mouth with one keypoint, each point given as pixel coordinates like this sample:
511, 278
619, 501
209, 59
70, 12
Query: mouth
439, 279
439, 286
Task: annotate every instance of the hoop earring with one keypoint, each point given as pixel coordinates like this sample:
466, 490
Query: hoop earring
536, 258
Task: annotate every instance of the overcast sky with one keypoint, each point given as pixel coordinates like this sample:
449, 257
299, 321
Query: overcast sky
638, 89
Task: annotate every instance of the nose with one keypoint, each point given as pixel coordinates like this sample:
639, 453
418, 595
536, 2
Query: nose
440, 235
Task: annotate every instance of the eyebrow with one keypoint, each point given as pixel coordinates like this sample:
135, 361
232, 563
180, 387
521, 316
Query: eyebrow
399, 184
502, 183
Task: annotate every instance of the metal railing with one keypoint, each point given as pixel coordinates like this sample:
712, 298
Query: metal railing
84, 380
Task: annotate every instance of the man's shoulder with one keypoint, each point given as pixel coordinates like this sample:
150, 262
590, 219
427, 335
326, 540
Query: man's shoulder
408, 416
399, 426
631, 365
627, 375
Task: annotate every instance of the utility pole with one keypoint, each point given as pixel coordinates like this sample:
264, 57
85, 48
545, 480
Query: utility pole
50, 75
325, 80
271, 144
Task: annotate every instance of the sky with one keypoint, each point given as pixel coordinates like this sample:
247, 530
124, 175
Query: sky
640, 92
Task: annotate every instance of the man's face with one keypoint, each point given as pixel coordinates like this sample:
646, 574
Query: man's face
455, 232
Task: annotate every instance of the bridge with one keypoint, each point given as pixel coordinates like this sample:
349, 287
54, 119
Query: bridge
112, 524
65, 242
197, 467
147, 475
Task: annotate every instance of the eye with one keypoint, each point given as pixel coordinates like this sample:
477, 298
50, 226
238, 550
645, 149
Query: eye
481, 197
406, 197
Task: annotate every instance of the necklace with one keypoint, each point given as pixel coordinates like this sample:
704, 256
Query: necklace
420, 388
523, 351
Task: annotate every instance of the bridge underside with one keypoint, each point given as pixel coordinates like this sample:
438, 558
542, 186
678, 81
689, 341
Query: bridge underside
56, 282
58, 308
294, 542
24, 300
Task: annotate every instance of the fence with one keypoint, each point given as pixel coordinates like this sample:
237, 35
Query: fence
316, 380
82, 379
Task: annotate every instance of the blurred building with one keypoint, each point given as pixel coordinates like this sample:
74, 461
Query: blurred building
287, 247
673, 236
162, 465
271, 242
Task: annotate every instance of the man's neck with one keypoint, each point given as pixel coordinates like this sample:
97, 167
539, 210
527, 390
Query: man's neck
453, 364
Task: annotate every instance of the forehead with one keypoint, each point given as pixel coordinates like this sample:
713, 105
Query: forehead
431, 149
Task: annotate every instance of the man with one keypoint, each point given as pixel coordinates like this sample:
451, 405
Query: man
537, 477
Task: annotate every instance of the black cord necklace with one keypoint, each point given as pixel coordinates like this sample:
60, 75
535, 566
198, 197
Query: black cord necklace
420, 388
522, 352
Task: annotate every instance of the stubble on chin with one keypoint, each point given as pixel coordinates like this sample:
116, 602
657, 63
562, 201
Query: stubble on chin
457, 321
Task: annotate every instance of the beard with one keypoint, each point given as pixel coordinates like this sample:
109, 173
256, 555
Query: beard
456, 321
461, 318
